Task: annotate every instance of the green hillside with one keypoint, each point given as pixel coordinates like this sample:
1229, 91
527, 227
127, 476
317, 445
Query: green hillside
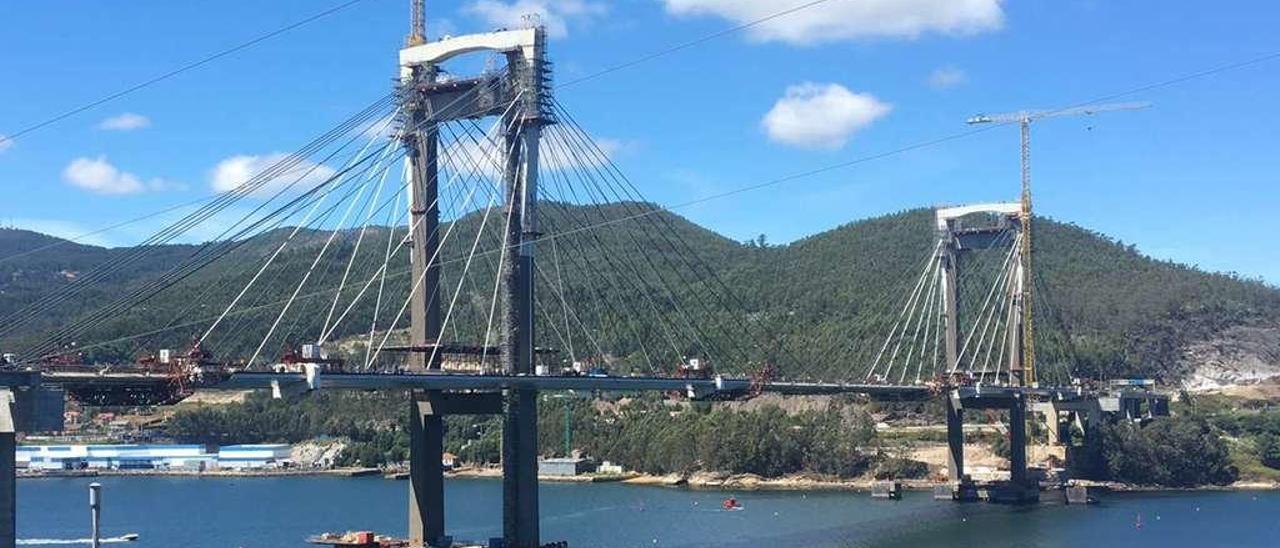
642, 288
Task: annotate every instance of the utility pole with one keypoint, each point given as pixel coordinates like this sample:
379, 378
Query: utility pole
1024, 351
95, 514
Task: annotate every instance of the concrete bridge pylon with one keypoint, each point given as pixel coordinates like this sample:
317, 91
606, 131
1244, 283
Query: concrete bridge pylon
519, 97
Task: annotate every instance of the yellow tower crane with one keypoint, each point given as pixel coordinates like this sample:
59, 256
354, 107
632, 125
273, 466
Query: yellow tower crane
417, 23
1024, 119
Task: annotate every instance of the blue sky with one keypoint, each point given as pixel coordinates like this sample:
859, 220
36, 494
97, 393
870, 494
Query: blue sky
1193, 178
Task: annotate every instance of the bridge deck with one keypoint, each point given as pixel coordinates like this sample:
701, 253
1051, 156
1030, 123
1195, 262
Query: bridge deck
701, 387
95, 380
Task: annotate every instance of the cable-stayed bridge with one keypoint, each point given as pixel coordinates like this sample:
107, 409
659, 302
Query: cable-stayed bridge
464, 238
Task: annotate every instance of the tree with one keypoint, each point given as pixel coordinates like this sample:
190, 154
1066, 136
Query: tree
1269, 450
1180, 451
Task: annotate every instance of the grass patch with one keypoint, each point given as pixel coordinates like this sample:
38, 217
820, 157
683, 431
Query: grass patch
1244, 456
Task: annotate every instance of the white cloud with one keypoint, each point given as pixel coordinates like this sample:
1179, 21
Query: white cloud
99, 176
851, 19
947, 77
232, 172
5, 142
821, 116
128, 121
555, 15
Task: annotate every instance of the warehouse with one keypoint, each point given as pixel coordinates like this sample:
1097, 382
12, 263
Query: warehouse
151, 457
244, 457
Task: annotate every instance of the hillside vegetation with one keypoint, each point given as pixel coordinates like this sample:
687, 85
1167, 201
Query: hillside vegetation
641, 293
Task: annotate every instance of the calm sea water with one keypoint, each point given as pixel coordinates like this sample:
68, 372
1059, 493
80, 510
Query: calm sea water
280, 512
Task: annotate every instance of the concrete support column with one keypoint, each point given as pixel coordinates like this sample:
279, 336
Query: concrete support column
8, 472
955, 439
949, 262
421, 147
520, 470
426, 474
1018, 442
1057, 427
520, 526
1060, 430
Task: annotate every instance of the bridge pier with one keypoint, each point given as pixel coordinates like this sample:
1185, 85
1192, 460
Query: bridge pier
520, 470
1019, 489
955, 440
426, 474
426, 449
8, 472
1018, 443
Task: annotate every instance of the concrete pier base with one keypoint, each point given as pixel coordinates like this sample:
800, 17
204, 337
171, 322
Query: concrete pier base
1078, 494
886, 490
1009, 493
962, 491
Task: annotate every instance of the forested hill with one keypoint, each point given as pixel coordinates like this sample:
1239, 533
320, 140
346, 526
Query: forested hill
1118, 312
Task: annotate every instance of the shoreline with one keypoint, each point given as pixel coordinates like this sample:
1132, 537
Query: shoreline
697, 481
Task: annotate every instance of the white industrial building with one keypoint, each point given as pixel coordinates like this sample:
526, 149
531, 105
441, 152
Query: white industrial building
151, 457
241, 457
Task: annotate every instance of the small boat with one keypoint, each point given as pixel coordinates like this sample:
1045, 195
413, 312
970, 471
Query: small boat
731, 504
129, 537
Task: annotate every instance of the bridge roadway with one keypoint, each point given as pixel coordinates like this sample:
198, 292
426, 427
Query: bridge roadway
94, 379
698, 388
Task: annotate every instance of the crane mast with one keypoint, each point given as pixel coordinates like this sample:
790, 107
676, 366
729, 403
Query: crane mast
1028, 341
417, 23
1026, 280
